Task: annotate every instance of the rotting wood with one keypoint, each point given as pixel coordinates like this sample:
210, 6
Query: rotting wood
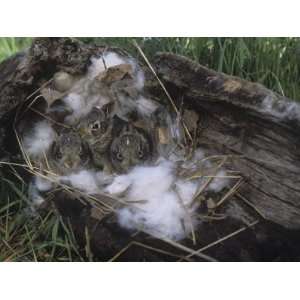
266, 146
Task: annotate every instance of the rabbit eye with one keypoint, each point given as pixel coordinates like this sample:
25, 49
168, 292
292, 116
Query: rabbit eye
119, 156
96, 125
140, 154
80, 150
56, 151
58, 154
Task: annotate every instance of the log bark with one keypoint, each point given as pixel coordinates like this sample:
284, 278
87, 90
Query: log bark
263, 147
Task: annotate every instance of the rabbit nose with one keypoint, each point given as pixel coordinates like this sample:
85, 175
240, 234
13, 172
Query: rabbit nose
70, 163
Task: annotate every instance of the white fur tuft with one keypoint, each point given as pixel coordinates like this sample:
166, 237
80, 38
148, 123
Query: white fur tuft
39, 140
162, 207
145, 107
219, 182
84, 180
110, 59
35, 197
285, 110
42, 184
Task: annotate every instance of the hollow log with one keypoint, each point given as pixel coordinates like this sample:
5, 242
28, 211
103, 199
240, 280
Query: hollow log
265, 145
262, 146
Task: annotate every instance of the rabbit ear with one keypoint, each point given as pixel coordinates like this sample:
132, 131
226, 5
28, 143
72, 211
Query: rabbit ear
108, 109
58, 111
54, 147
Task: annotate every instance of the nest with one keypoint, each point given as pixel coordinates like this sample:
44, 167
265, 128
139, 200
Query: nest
209, 183
174, 139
